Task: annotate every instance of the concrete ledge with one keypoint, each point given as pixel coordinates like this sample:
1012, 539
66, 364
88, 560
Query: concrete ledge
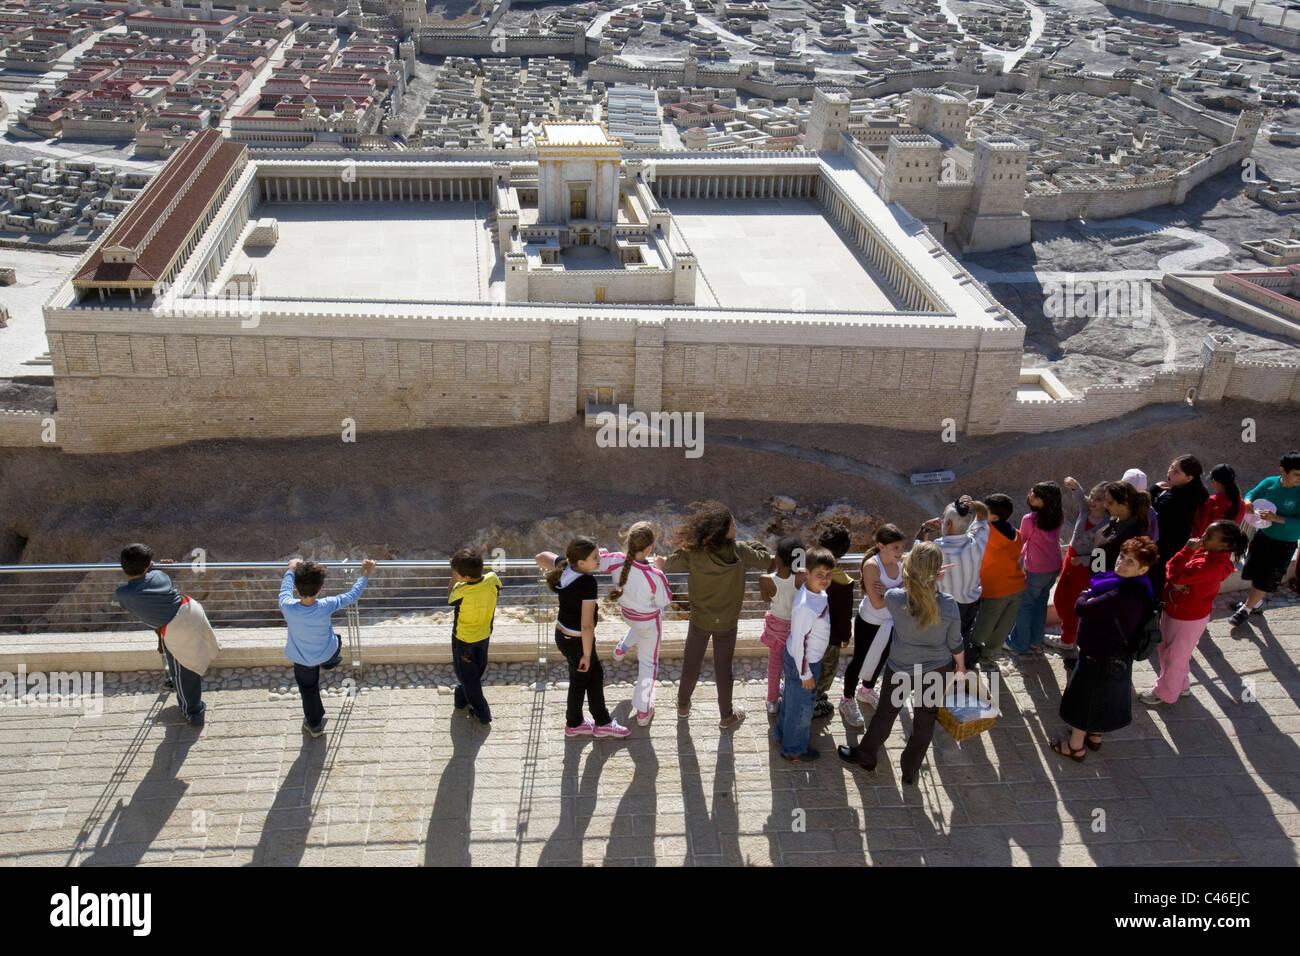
264, 647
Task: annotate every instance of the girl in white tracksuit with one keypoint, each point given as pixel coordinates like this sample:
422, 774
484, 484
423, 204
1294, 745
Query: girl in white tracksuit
642, 593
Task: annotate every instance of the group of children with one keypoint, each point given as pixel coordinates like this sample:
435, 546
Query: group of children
998, 577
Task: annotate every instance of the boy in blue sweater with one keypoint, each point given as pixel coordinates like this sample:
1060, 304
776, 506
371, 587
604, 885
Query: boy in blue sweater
312, 641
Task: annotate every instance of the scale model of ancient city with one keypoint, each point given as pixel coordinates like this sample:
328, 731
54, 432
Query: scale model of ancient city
451, 284
1019, 216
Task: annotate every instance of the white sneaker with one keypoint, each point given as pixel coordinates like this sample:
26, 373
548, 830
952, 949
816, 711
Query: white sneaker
643, 719
774, 707
867, 697
850, 712
611, 729
620, 652
1056, 643
1149, 698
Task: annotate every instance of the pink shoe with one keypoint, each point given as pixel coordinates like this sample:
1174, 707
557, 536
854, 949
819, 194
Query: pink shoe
584, 729
620, 652
643, 718
611, 729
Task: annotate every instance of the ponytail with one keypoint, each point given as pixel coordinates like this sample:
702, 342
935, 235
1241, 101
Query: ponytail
579, 549
1142, 510
1232, 535
921, 569
1227, 476
639, 537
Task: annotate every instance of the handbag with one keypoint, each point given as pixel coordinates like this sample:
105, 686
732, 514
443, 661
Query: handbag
966, 715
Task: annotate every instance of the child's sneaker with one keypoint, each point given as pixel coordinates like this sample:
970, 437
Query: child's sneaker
584, 729
620, 651
774, 707
643, 718
867, 697
611, 729
824, 708
1239, 616
850, 712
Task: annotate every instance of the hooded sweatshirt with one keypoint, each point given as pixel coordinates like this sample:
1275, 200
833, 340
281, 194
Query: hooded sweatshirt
716, 582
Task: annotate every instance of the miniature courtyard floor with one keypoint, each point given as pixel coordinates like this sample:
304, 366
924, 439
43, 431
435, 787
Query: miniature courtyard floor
402, 778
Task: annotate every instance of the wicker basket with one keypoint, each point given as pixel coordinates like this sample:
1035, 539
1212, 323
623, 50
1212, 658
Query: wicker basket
961, 730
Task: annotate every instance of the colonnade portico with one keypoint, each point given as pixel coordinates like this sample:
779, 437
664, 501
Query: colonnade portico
735, 186
367, 188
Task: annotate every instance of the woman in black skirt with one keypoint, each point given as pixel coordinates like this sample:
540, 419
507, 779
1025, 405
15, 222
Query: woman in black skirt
1099, 695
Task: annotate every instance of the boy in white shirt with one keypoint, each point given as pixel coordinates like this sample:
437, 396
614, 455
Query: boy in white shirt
810, 633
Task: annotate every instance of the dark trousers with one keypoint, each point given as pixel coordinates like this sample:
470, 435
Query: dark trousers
864, 633
189, 688
589, 684
308, 679
968, 614
469, 662
724, 648
882, 722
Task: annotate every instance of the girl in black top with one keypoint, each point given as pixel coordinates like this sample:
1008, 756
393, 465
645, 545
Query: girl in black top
570, 577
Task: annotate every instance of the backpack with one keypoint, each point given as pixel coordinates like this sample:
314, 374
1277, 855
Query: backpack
1143, 640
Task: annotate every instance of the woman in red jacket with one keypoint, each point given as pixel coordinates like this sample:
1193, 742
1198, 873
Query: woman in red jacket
1194, 576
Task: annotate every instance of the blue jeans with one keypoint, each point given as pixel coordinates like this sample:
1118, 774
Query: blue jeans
795, 724
469, 663
1033, 611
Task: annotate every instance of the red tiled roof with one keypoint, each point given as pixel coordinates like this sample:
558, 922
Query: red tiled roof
181, 175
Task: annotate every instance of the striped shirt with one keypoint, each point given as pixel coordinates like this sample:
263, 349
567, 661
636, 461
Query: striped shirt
964, 552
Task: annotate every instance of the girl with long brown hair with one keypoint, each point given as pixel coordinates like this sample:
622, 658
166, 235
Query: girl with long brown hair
708, 551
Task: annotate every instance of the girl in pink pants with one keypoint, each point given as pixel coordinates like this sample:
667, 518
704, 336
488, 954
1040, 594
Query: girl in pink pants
1193, 578
779, 588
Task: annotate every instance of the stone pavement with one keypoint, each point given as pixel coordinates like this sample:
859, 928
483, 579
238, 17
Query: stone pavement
401, 778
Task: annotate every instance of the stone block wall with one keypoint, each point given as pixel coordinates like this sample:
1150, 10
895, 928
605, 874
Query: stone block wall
24, 429
126, 392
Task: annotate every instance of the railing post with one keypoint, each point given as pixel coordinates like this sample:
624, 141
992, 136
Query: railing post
353, 626
543, 619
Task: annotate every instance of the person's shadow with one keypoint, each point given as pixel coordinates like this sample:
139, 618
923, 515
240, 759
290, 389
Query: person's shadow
577, 802
447, 841
284, 833
632, 833
131, 829
712, 836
